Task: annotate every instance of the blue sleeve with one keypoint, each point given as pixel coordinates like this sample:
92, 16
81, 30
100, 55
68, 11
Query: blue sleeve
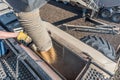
3, 48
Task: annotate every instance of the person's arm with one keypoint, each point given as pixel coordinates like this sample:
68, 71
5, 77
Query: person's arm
21, 36
6, 35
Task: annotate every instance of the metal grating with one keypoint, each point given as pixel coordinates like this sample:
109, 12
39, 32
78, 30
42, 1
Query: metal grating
2, 72
9, 64
95, 73
24, 73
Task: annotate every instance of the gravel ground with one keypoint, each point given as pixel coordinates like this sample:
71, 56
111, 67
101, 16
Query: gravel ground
58, 13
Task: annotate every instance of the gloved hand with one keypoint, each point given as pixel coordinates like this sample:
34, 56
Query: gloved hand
24, 38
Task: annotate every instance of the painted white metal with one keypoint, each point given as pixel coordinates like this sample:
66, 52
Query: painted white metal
4, 8
81, 3
100, 3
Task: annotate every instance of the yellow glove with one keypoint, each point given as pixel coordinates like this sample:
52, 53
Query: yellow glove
23, 37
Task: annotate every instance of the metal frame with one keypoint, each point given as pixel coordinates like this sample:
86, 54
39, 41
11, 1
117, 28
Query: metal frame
79, 47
